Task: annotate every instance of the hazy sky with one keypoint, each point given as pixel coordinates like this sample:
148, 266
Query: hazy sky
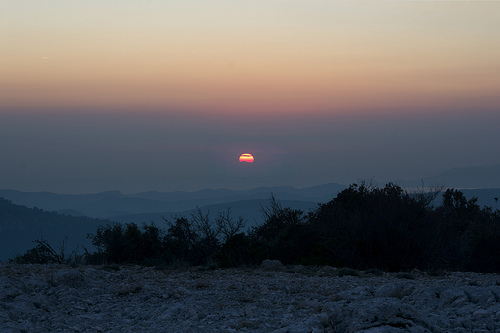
165, 95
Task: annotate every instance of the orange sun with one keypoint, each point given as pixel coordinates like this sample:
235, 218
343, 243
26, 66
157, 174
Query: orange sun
246, 158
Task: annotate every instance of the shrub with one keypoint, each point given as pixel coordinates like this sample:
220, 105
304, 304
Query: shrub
363, 227
119, 243
285, 235
44, 253
383, 227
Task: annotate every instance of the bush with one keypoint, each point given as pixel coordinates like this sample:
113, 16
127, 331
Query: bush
382, 227
236, 251
285, 235
363, 227
44, 253
119, 243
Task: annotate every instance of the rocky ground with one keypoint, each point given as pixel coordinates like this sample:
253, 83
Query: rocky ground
272, 298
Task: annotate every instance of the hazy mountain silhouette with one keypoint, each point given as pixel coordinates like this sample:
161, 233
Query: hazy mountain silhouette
248, 209
56, 202
20, 225
485, 197
21, 222
114, 203
462, 178
211, 196
26, 216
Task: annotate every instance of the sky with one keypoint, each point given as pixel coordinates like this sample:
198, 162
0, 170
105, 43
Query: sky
165, 95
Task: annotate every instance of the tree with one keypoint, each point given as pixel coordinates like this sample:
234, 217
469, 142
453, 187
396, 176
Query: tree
367, 227
227, 226
181, 239
44, 253
284, 235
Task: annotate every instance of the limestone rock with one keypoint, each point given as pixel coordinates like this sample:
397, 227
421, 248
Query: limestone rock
377, 315
272, 265
453, 297
55, 298
390, 290
68, 277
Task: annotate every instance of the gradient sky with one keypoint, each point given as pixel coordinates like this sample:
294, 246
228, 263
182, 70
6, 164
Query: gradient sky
165, 95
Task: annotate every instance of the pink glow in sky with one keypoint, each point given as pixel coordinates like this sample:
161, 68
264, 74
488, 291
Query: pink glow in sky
386, 89
256, 56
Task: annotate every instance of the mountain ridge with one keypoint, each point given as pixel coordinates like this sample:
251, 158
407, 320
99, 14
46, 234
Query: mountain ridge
112, 203
474, 177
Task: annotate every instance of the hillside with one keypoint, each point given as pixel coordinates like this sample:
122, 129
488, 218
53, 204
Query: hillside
20, 225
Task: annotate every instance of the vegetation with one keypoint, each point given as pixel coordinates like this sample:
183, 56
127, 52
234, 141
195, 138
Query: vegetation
364, 228
43, 253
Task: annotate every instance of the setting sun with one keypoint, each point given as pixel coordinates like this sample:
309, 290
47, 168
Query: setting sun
246, 158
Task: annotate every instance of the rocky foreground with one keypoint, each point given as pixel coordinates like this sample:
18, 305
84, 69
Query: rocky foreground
272, 298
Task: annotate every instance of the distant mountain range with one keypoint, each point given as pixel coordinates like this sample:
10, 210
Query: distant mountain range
113, 203
250, 210
26, 216
479, 177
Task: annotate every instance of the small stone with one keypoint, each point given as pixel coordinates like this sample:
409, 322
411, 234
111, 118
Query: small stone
453, 298
389, 290
272, 265
299, 269
458, 275
248, 311
68, 277
481, 313
329, 269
